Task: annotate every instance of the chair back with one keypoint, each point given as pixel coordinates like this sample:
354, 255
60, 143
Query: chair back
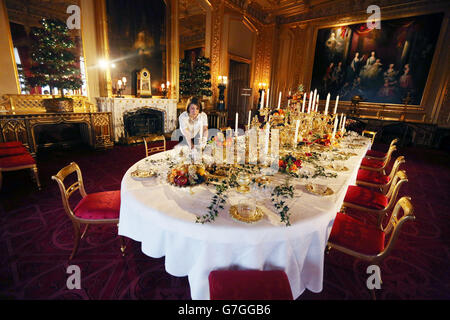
371, 133
154, 138
67, 192
400, 160
403, 211
393, 142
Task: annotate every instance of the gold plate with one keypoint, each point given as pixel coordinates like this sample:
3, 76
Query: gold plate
258, 215
142, 175
327, 192
350, 154
338, 170
355, 145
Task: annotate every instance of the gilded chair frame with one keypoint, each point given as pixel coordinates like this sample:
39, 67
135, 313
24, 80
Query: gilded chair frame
371, 133
385, 161
384, 187
154, 138
399, 179
66, 193
393, 142
393, 228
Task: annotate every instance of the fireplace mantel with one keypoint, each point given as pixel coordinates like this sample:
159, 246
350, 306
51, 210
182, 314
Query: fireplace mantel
117, 106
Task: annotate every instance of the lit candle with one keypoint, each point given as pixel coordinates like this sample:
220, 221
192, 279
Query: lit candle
279, 100
119, 83
236, 126
327, 103
336, 105
309, 102
267, 102
296, 132
249, 117
124, 80
162, 86
340, 121
262, 100
304, 101
168, 84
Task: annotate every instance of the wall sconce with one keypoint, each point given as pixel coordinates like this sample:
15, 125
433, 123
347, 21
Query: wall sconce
223, 80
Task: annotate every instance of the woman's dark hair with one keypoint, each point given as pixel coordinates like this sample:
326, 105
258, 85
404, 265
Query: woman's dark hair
196, 101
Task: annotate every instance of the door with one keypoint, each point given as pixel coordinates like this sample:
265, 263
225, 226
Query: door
238, 93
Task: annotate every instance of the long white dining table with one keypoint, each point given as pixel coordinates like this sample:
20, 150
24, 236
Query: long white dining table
163, 219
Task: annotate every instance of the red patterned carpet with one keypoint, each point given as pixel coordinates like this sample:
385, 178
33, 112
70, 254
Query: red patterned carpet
36, 239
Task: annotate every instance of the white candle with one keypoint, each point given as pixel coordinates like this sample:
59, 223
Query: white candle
340, 121
236, 126
309, 102
335, 126
279, 100
249, 118
343, 123
267, 102
296, 132
262, 100
336, 105
304, 101
313, 103
317, 105
327, 103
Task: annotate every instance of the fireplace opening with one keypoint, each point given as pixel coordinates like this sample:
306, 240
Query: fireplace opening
143, 122
60, 136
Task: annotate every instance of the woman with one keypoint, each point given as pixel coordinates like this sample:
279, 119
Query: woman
194, 123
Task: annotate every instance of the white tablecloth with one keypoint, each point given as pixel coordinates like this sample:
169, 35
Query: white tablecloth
162, 218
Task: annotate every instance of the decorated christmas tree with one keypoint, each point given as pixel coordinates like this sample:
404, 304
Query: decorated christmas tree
54, 63
195, 79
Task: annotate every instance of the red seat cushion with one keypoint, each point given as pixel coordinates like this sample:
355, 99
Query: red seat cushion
6, 152
356, 235
372, 163
376, 154
17, 161
99, 205
366, 198
372, 177
249, 285
11, 144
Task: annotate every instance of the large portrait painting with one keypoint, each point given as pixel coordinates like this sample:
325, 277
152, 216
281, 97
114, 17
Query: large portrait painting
386, 65
136, 34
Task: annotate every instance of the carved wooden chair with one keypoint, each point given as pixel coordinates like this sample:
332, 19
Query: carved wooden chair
380, 155
148, 140
94, 208
367, 242
364, 200
372, 134
372, 164
377, 180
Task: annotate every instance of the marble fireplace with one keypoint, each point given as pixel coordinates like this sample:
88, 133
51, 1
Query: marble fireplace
133, 116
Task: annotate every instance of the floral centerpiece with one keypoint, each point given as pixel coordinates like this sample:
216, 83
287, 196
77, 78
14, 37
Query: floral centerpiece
289, 164
187, 175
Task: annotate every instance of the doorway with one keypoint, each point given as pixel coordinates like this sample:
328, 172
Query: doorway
238, 92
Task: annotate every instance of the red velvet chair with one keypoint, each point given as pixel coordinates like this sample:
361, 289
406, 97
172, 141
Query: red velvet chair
249, 285
377, 180
94, 208
19, 162
13, 151
11, 144
364, 200
373, 164
380, 155
367, 242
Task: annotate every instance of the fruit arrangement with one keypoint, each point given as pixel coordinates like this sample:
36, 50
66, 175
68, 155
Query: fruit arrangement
289, 164
187, 175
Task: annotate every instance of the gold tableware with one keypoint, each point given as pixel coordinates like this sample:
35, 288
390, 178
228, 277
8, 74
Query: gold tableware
341, 169
243, 179
245, 213
141, 174
327, 192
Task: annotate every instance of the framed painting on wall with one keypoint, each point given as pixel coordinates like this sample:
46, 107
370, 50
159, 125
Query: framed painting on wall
384, 65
